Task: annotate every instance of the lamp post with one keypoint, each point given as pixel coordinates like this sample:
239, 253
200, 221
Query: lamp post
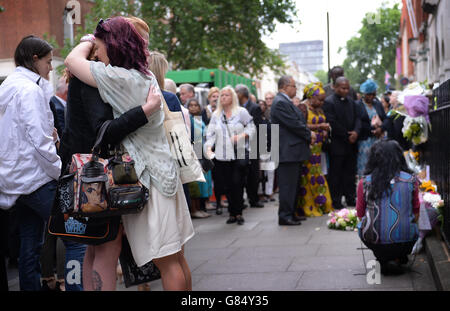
328, 44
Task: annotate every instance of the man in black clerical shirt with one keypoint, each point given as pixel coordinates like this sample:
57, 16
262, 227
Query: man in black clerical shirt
342, 114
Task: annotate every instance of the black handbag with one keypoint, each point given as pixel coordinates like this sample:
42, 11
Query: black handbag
90, 231
132, 274
97, 187
207, 164
326, 145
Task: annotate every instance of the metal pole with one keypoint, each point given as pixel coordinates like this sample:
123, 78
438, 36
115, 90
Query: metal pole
328, 38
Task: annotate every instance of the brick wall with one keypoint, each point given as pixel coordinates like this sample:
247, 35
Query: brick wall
37, 17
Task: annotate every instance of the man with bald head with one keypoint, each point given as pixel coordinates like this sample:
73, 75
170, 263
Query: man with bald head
342, 114
333, 74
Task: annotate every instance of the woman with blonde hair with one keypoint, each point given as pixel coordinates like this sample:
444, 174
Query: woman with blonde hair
229, 130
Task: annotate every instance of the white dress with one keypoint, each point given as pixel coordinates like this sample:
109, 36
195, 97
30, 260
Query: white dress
164, 224
161, 228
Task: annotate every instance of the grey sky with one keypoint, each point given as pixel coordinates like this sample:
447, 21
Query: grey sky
345, 21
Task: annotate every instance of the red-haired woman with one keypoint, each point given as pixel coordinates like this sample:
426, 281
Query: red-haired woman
164, 226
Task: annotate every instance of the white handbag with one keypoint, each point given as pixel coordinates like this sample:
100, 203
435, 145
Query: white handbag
181, 147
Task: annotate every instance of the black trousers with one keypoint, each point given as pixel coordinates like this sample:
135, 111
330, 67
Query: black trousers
3, 249
252, 181
387, 252
342, 179
219, 187
288, 180
231, 177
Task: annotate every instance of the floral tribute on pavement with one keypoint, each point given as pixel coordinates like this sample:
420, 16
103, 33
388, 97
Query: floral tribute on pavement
345, 219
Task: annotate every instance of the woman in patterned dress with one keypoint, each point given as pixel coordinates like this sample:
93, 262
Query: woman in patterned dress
314, 194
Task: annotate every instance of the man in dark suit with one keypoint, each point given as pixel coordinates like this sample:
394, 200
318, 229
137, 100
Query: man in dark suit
333, 74
294, 141
58, 105
252, 172
343, 116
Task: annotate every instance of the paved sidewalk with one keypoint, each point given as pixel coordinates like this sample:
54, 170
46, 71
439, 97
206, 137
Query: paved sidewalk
260, 255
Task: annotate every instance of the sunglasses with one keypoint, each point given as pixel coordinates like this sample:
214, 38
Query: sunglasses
101, 26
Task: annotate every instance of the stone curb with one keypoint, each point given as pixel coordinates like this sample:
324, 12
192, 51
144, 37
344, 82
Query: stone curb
438, 255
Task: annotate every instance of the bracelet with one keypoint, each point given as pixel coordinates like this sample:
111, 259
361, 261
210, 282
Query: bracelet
88, 38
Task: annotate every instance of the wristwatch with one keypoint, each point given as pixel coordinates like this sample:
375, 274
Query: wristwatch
88, 38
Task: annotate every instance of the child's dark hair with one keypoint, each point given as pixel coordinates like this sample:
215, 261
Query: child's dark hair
27, 48
385, 160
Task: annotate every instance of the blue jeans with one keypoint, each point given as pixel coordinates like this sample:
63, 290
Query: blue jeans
33, 213
73, 271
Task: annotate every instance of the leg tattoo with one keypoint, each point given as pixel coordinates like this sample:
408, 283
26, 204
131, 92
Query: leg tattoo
97, 281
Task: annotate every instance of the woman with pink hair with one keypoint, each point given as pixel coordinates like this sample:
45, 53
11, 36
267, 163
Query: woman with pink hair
164, 226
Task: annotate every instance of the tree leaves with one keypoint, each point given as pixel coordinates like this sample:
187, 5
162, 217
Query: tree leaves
225, 34
373, 51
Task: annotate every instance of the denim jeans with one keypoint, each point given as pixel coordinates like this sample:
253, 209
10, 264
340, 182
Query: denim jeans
33, 213
73, 271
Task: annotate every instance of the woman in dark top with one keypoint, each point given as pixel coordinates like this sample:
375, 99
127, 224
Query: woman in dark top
86, 112
388, 206
372, 115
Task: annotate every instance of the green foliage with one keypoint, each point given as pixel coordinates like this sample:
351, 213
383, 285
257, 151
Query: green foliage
373, 50
2, 9
322, 75
223, 34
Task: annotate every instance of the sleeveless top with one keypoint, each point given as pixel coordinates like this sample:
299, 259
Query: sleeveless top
390, 219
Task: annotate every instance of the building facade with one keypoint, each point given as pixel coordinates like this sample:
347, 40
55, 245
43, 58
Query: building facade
308, 55
21, 18
423, 53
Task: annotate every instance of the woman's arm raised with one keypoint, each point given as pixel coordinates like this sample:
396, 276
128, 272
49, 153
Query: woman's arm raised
78, 64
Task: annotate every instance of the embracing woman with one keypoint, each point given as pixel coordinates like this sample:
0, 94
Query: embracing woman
164, 226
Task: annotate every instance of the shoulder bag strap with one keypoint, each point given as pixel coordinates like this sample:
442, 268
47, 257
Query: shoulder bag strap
100, 135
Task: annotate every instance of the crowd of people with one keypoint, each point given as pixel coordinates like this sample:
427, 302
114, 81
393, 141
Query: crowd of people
324, 142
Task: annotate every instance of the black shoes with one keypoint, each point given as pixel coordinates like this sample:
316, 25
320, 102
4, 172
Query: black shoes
219, 210
46, 288
288, 222
299, 218
257, 205
238, 219
391, 268
231, 220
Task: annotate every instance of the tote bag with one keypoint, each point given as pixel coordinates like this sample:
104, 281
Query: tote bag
181, 147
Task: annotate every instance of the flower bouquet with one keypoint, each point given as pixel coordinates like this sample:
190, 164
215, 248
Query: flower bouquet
345, 219
415, 130
430, 212
432, 198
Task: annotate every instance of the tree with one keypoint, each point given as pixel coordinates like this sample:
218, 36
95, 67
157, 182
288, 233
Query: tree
225, 34
322, 75
373, 51
217, 33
